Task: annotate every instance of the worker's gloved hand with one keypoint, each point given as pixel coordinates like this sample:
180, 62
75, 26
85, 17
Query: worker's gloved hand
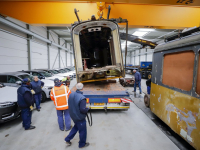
32, 91
41, 87
31, 108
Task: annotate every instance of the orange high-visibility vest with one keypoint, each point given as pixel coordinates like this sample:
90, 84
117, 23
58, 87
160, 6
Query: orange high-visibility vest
60, 97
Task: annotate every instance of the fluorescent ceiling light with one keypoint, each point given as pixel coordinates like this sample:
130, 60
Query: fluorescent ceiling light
140, 33
128, 43
147, 30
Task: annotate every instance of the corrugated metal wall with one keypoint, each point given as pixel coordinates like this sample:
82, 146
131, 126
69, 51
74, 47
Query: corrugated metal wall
62, 59
13, 53
39, 55
54, 57
140, 55
14, 49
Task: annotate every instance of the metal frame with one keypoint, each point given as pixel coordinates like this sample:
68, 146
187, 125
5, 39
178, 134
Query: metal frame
29, 37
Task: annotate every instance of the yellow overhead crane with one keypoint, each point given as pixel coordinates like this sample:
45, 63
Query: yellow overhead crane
144, 15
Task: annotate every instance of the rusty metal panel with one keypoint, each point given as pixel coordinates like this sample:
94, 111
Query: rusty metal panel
105, 88
179, 111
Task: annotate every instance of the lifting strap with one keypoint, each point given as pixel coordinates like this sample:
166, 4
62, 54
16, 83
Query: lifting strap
90, 123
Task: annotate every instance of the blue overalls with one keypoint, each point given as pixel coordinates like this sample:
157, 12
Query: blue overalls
78, 117
25, 103
36, 86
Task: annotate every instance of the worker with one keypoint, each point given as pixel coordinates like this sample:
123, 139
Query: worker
148, 83
137, 81
37, 85
78, 111
24, 101
60, 94
66, 81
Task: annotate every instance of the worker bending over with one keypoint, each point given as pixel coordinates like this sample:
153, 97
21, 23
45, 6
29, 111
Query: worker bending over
24, 101
60, 94
78, 111
137, 81
37, 87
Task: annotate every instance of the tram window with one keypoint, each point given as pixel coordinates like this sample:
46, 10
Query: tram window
198, 77
178, 70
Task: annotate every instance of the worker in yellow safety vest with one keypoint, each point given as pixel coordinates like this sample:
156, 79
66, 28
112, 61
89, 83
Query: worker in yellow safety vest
60, 94
66, 81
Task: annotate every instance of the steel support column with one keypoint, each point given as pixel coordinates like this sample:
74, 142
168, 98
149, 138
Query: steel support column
134, 57
146, 55
139, 56
66, 53
70, 59
29, 48
59, 53
48, 50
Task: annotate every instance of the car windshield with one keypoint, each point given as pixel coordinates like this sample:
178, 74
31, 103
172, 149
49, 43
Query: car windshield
26, 76
46, 74
61, 71
67, 69
72, 68
54, 72
64, 70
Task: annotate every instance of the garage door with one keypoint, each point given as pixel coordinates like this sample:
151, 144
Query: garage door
62, 59
54, 59
13, 53
39, 56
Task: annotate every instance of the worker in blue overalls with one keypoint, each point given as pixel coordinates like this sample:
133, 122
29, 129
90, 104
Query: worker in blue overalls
137, 81
24, 101
37, 87
78, 111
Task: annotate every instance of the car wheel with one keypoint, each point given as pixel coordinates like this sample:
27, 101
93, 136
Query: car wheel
43, 97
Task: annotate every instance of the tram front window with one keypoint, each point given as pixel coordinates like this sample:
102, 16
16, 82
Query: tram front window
178, 70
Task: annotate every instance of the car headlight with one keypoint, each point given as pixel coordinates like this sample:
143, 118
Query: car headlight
6, 104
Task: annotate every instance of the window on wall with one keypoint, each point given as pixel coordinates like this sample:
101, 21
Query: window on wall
198, 77
178, 70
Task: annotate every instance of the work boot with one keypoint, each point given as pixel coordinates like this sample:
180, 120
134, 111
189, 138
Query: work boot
68, 143
86, 145
38, 109
31, 127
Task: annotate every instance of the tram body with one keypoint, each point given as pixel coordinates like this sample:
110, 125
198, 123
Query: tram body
175, 87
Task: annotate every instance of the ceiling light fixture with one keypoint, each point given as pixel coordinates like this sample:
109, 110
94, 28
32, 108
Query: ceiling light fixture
146, 30
140, 33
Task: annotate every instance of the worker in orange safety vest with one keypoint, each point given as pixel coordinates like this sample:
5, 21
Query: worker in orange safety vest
60, 94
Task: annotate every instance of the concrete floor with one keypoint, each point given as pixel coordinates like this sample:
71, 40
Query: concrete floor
116, 130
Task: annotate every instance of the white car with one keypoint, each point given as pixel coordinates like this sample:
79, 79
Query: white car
64, 73
9, 109
71, 70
